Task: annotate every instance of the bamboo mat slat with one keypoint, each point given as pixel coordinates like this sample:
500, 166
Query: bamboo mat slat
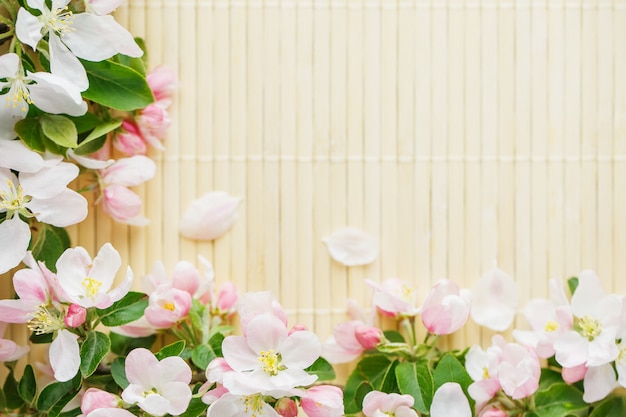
461, 134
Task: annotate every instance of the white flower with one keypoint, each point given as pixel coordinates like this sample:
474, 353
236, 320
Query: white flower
72, 36
88, 283
43, 195
48, 92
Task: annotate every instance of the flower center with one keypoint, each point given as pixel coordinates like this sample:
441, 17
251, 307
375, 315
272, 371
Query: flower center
44, 321
12, 199
18, 95
169, 306
253, 404
150, 392
486, 373
270, 362
59, 20
551, 326
92, 286
588, 327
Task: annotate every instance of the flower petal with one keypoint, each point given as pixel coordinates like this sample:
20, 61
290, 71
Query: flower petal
14, 154
352, 247
14, 238
65, 356
28, 28
599, 382
63, 210
494, 300
56, 95
130, 171
209, 216
48, 181
449, 400
65, 64
142, 367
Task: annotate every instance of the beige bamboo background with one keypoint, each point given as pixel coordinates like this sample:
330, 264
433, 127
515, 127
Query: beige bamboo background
460, 133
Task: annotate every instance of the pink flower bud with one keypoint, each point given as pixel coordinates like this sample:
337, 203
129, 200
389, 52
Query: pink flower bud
286, 407
575, 374
227, 297
75, 316
493, 412
130, 141
298, 328
95, 398
162, 82
368, 336
121, 203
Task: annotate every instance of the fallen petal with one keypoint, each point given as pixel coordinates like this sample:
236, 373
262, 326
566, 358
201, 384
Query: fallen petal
352, 247
209, 216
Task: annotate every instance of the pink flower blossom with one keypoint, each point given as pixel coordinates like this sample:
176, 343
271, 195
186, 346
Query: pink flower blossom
268, 360
323, 401
153, 122
130, 140
394, 298
75, 316
286, 407
378, 403
157, 387
167, 306
227, 298
185, 277
95, 398
446, 308
575, 374
253, 304
162, 82
368, 336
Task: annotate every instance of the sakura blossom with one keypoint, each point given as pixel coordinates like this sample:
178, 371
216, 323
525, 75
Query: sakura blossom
446, 308
268, 359
88, 282
209, 216
394, 298
157, 387
352, 247
167, 306
95, 398
71, 36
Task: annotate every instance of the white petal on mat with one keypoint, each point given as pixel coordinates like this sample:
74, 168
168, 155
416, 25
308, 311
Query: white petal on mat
352, 247
209, 216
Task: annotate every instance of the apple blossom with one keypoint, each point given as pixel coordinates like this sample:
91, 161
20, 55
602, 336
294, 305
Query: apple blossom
394, 298
118, 201
378, 404
162, 82
209, 216
231, 405
185, 276
518, 369
596, 322
446, 308
349, 340
48, 92
167, 306
494, 300
95, 398
129, 140
323, 401
88, 282
42, 194
268, 360
157, 387
71, 36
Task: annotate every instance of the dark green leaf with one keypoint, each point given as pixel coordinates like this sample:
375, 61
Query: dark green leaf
415, 379
129, 308
28, 385
449, 369
355, 390
611, 407
117, 86
122, 345
57, 394
173, 349
548, 378
86, 122
202, 355
11, 393
559, 400
41, 338
377, 370
99, 132
118, 371
394, 336
72, 413
59, 129
323, 369
216, 343
29, 130
50, 242
195, 409
93, 350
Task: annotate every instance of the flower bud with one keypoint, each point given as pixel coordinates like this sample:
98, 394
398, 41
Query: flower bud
286, 407
130, 141
95, 398
368, 336
227, 297
493, 412
75, 316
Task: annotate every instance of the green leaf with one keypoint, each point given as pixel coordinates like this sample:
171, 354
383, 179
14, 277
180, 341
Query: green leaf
323, 369
129, 308
72, 413
86, 122
88, 144
59, 129
118, 372
197, 314
27, 387
559, 400
611, 407
450, 369
202, 355
415, 379
216, 343
50, 242
57, 394
195, 409
29, 130
572, 284
122, 345
116, 86
379, 371
394, 336
355, 390
93, 350
173, 349
548, 378
11, 393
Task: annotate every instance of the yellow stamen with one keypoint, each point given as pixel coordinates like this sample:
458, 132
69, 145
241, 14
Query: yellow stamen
588, 327
44, 321
169, 306
551, 326
253, 404
270, 361
92, 286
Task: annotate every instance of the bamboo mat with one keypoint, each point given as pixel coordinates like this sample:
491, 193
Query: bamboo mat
460, 133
